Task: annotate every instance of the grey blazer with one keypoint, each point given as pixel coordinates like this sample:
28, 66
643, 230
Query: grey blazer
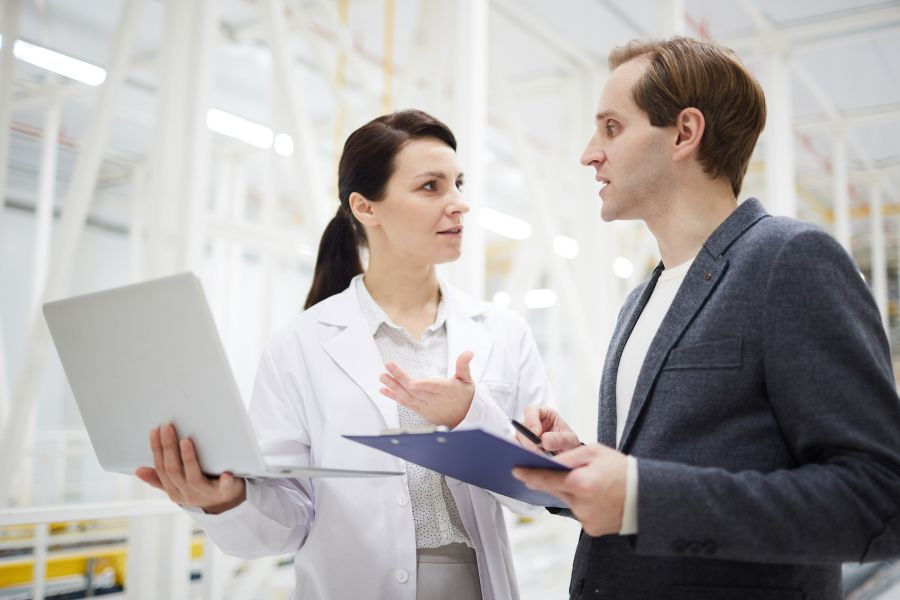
765, 422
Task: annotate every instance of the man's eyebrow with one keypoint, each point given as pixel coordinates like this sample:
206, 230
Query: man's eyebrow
604, 114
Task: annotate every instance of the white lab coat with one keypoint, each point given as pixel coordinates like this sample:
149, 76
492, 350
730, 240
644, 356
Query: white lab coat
355, 538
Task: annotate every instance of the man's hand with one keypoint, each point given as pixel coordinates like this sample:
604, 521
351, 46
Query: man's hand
177, 472
439, 401
594, 489
544, 422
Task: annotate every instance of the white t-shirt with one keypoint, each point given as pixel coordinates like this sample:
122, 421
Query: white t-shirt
630, 367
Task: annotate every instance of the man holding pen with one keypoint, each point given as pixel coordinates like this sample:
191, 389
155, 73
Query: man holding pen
749, 427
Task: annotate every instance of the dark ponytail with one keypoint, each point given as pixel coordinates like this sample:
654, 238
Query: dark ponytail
366, 165
338, 259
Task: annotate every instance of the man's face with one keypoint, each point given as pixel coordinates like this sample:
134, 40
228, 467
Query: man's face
629, 154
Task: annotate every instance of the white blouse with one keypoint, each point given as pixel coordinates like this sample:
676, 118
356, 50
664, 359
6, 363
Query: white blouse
435, 513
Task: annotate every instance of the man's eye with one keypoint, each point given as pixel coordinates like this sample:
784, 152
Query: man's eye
460, 184
611, 128
430, 186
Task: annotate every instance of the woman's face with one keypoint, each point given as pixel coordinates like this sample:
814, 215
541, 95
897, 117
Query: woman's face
421, 213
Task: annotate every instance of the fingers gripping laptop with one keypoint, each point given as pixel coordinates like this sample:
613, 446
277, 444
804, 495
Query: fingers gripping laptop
143, 355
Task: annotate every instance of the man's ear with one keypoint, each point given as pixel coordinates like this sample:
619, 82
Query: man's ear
689, 127
363, 209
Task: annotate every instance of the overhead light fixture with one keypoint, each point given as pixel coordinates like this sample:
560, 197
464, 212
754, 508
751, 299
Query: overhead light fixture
622, 267
503, 224
565, 246
284, 145
502, 299
540, 298
239, 128
61, 64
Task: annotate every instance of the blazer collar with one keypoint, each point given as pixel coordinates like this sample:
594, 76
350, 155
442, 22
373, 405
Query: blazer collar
355, 352
702, 278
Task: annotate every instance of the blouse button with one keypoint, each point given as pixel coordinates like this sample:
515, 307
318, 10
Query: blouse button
401, 499
402, 576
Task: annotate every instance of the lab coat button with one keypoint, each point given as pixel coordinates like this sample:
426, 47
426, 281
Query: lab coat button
402, 576
401, 499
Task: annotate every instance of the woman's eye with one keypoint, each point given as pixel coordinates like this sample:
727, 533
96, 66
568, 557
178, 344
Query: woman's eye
611, 128
460, 184
430, 186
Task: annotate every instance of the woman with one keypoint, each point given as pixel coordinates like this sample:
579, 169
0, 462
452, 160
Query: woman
450, 360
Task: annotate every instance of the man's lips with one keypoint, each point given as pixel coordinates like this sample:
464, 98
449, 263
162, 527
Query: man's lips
452, 231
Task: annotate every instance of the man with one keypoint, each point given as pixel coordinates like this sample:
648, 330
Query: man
747, 390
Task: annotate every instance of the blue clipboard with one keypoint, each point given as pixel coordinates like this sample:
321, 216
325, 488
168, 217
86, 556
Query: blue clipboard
470, 455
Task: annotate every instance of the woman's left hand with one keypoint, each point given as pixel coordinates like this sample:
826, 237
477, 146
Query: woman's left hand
439, 401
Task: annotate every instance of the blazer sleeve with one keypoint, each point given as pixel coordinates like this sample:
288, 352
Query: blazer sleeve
278, 513
828, 377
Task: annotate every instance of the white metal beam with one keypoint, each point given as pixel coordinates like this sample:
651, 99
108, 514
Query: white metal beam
828, 29
75, 211
305, 157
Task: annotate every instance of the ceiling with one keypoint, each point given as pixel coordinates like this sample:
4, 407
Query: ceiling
550, 55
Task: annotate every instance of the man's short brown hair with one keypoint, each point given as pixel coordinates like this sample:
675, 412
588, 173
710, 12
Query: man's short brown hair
683, 72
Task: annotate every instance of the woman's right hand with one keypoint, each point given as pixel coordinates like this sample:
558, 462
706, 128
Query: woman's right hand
177, 472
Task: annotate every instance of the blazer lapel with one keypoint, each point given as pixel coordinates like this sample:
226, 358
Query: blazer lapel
355, 352
702, 278
606, 422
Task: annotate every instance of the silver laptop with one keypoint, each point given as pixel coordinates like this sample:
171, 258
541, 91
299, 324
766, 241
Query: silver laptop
147, 354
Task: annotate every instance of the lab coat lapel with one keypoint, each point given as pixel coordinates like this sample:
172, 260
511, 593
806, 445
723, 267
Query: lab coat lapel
355, 352
465, 333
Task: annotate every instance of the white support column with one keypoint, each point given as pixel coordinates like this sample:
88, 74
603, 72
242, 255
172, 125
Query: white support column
44, 213
841, 192
879, 259
75, 209
11, 11
137, 226
780, 185
675, 20
306, 158
39, 575
10, 31
470, 126
177, 191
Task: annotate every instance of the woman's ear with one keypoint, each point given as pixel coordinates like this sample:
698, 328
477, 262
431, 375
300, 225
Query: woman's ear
689, 126
363, 209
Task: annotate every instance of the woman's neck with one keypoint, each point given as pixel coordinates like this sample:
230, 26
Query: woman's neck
403, 289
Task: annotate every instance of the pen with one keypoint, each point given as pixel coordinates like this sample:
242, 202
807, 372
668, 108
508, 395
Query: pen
531, 437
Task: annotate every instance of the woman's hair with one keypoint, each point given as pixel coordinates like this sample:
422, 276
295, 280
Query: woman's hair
366, 165
683, 72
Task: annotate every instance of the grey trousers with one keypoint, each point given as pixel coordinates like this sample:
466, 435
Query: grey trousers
447, 573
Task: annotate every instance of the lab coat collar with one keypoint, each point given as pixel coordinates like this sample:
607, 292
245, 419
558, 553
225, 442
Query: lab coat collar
355, 352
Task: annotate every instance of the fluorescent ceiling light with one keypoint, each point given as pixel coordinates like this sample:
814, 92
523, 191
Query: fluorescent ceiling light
284, 145
58, 63
503, 224
565, 246
502, 299
622, 267
239, 128
540, 298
